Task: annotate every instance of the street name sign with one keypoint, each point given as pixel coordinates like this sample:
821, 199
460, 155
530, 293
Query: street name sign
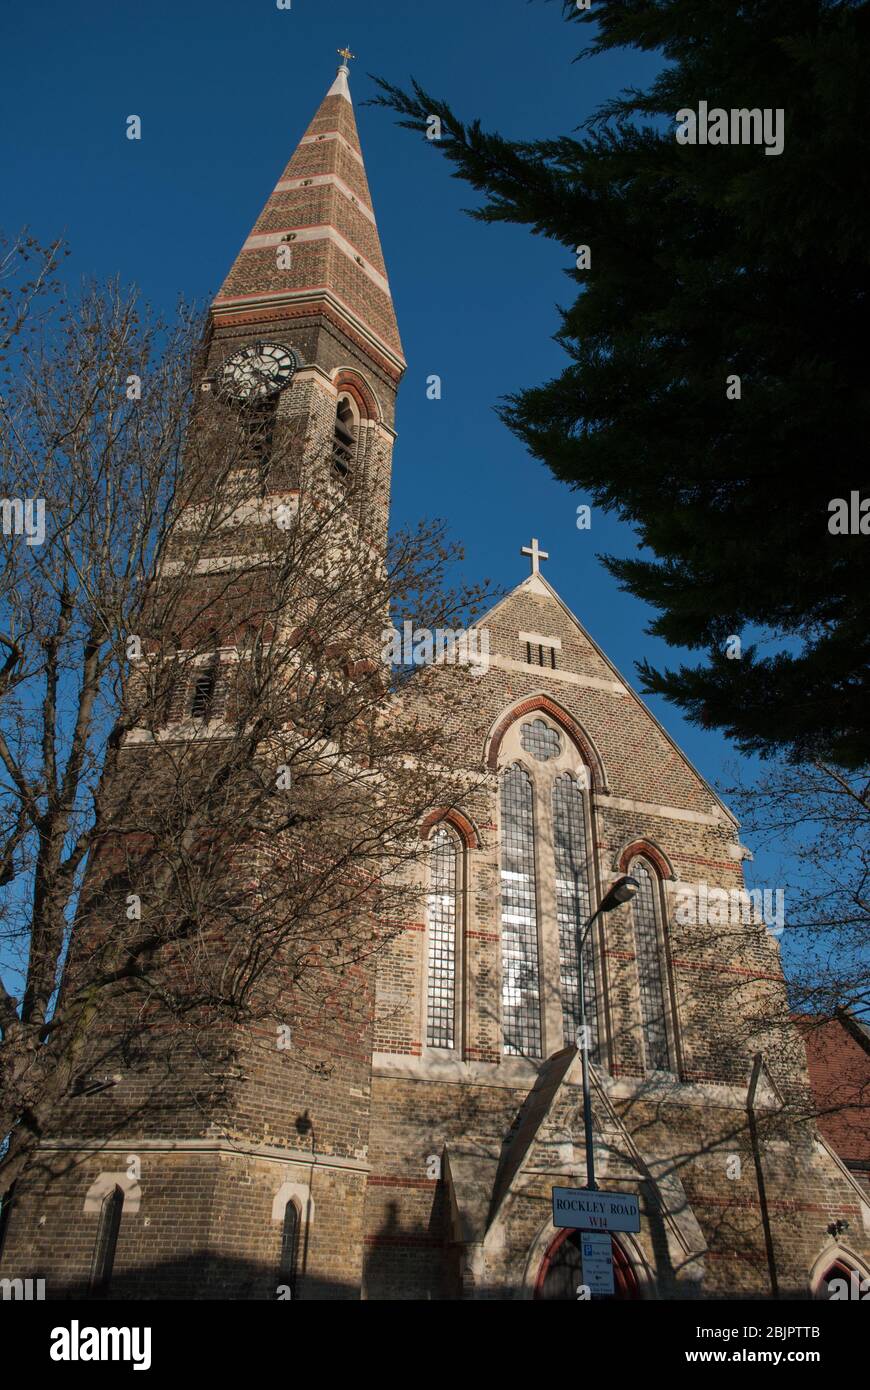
595, 1211
596, 1253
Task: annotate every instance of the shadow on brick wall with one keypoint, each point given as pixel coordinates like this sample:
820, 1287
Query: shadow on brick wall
198, 1275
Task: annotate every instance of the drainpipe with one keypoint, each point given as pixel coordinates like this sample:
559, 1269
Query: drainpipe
757, 1064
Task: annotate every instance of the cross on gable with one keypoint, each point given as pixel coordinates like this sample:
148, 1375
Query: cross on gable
536, 554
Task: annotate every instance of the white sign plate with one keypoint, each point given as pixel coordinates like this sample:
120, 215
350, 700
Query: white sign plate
595, 1211
596, 1252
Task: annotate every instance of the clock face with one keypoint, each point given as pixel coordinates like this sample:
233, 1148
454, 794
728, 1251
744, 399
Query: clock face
258, 370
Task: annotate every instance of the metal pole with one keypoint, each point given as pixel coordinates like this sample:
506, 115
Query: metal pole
757, 1063
591, 1184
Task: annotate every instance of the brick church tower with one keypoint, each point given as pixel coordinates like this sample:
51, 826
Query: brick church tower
304, 327
420, 1164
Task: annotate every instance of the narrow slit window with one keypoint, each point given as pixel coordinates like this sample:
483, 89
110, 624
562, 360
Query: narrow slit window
287, 1271
344, 438
5, 1213
572, 909
650, 970
203, 695
107, 1242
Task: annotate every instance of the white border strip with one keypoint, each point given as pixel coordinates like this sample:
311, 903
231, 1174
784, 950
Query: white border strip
334, 135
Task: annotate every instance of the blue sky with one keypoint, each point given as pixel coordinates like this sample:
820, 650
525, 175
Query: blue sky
225, 88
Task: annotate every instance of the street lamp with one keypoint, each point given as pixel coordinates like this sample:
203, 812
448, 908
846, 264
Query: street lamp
622, 891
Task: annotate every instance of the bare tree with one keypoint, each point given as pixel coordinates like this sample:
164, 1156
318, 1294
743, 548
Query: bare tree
209, 794
815, 819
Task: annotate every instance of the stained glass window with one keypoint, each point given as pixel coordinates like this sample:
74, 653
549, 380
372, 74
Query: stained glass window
540, 740
521, 1009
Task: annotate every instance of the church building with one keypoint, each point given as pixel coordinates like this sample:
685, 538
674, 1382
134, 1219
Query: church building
421, 1163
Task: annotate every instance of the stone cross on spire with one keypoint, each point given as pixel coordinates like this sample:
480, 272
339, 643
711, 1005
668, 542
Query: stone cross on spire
536, 553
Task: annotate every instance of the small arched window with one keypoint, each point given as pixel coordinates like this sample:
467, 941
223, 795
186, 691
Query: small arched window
345, 437
571, 856
521, 1004
441, 923
205, 680
203, 694
107, 1241
651, 972
287, 1271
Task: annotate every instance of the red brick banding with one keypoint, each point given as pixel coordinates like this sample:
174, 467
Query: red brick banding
569, 726
648, 851
460, 823
354, 384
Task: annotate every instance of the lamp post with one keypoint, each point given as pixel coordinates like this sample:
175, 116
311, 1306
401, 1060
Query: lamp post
622, 891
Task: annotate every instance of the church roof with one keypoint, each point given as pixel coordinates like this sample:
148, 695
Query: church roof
536, 584
319, 217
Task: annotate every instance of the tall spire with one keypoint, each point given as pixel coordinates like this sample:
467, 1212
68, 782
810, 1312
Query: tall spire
320, 212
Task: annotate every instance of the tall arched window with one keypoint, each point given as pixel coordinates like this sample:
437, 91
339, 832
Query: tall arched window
107, 1241
648, 945
521, 1005
441, 923
289, 1248
345, 437
571, 857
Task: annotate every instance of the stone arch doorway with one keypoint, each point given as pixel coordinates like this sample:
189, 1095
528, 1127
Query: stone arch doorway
841, 1278
839, 1273
561, 1272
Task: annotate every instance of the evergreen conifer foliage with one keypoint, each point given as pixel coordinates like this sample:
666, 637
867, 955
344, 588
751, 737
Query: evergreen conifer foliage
709, 264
